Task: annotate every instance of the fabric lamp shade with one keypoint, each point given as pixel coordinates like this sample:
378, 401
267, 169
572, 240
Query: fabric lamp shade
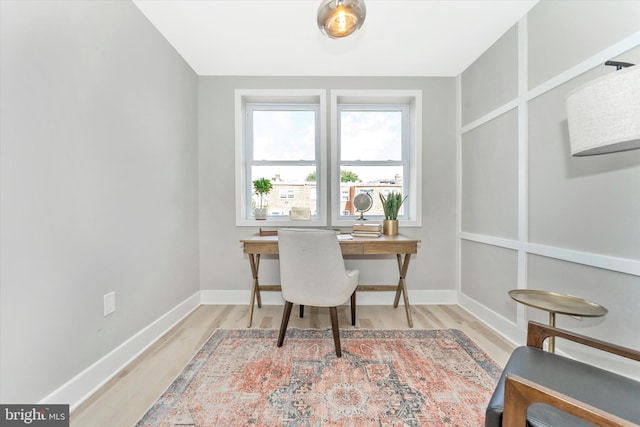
604, 115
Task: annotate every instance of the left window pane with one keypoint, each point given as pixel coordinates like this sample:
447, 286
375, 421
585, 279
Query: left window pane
282, 146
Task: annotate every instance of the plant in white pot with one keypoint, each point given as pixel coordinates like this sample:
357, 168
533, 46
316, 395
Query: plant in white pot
261, 187
391, 205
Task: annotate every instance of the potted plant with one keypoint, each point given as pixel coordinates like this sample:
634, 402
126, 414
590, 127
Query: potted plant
261, 187
391, 205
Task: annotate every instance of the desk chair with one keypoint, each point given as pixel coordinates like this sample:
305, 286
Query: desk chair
312, 272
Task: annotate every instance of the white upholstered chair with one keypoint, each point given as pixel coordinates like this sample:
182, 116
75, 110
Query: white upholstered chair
312, 272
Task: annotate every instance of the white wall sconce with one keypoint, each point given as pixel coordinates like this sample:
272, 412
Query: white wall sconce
604, 115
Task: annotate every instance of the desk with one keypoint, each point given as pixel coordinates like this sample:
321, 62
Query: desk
557, 303
399, 246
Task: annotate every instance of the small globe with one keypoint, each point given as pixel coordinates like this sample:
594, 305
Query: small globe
362, 202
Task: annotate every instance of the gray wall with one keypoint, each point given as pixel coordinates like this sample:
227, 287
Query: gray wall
98, 186
116, 163
532, 216
223, 266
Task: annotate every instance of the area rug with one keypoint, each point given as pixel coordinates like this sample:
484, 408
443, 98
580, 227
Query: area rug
384, 378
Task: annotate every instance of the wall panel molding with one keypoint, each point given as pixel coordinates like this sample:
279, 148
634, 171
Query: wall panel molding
598, 59
523, 162
623, 265
490, 116
620, 265
573, 72
492, 240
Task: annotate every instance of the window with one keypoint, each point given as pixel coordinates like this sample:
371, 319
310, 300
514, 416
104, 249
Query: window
282, 145
279, 136
372, 151
375, 148
376, 151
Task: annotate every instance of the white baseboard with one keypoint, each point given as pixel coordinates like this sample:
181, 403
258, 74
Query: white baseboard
87, 382
216, 297
494, 321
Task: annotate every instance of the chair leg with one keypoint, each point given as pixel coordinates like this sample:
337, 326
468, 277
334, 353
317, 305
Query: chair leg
333, 311
285, 321
301, 311
353, 308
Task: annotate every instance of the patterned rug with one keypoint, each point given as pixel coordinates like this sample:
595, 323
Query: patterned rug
384, 378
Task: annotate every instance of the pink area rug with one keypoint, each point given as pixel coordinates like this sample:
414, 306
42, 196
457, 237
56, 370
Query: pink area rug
384, 378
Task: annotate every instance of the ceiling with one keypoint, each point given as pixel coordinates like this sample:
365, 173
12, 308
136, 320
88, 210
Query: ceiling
281, 38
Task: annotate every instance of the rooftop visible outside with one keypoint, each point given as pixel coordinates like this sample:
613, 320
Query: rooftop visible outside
286, 195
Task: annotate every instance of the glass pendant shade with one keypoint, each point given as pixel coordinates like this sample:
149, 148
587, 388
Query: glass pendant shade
339, 18
604, 115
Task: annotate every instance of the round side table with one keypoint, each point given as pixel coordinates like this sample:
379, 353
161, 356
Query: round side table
557, 303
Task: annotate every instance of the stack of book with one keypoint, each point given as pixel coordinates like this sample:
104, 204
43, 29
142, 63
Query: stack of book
367, 230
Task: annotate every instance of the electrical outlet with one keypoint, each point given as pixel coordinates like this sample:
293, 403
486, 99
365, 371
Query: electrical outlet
109, 303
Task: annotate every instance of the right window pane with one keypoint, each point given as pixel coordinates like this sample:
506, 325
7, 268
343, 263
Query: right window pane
372, 155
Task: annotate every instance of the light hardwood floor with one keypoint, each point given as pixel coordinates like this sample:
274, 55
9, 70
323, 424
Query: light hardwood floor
126, 398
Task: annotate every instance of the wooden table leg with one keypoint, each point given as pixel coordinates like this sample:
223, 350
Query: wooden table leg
254, 260
552, 340
258, 295
399, 288
402, 286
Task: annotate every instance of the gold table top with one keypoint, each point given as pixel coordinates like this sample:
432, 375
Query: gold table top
558, 303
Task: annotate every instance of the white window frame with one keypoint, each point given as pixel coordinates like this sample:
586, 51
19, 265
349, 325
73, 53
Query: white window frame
244, 189
413, 98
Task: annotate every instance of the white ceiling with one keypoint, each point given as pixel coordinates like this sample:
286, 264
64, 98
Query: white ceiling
281, 38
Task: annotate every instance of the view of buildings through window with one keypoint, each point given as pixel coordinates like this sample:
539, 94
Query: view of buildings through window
302, 194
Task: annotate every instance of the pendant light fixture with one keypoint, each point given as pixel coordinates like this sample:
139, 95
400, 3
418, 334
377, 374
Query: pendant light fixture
339, 18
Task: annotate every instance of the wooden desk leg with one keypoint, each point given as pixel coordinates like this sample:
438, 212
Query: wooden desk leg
258, 295
254, 260
402, 286
399, 289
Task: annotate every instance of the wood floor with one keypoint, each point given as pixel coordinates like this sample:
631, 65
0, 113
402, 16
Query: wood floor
127, 397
